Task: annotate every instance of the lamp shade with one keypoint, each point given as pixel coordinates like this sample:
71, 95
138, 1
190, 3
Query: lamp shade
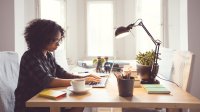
122, 32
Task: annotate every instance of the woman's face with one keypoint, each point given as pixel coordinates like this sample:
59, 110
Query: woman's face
54, 44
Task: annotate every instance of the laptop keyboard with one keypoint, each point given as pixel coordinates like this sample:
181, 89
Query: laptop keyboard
101, 84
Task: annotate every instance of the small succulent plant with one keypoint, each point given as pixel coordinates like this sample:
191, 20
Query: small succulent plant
146, 58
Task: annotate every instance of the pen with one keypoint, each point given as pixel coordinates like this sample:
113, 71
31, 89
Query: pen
83, 72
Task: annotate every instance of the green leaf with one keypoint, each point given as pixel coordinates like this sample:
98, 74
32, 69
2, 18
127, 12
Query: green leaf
145, 58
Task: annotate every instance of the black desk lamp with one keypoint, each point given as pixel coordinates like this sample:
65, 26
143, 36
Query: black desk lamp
124, 31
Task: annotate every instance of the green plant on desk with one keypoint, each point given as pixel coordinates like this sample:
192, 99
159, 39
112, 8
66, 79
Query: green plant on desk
145, 58
144, 64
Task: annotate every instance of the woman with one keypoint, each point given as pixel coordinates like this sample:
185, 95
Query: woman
38, 68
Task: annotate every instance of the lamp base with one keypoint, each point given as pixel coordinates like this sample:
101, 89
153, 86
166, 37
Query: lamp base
150, 81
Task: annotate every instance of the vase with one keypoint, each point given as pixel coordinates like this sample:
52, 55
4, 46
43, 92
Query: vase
148, 74
144, 72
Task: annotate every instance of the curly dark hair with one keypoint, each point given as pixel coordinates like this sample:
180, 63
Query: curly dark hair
40, 32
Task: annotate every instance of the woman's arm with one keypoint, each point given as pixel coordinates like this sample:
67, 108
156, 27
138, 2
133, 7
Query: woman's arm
57, 82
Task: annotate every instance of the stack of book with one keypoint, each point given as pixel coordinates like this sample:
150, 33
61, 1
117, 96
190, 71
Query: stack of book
155, 88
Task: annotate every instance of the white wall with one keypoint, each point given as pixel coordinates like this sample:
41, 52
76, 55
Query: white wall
183, 25
124, 48
14, 16
119, 21
174, 24
130, 41
194, 45
82, 42
19, 27
72, 32
29, 10
7, 35
177, 24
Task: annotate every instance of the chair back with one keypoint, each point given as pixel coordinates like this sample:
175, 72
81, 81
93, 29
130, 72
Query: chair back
182, 63
166, 62
9, 72
175, 65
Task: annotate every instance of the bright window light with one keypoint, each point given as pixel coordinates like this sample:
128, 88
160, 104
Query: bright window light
56, 10
150, 11
99, 28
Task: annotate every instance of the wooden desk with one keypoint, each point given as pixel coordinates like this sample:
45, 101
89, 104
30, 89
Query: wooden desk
108, 97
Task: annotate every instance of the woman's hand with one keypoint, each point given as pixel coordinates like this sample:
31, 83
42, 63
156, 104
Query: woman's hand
92, 78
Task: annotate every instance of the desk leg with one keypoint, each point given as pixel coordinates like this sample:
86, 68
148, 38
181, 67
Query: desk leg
173, 110
54, 109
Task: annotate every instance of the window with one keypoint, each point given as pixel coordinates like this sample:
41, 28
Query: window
56, 10
150, 11
91, 26
99, 28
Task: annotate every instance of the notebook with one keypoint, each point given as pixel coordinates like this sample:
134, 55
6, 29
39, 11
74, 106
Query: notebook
155, 89
52, 94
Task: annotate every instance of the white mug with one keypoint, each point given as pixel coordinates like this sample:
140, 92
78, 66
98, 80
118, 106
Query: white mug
78, 84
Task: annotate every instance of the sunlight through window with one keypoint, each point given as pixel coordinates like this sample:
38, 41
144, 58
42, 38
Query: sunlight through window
100, 28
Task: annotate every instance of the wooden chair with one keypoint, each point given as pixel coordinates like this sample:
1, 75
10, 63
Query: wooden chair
175, 65
182, 63
181, 70
166, 62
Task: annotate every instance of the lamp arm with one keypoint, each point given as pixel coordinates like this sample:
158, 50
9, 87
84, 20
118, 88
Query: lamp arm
155, 66
141, 24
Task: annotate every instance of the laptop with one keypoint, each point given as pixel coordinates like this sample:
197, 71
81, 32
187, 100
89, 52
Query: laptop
104, 79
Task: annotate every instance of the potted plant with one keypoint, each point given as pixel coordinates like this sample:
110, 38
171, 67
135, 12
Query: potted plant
144, 64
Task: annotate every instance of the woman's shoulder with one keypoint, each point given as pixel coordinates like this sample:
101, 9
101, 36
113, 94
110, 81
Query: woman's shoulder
29, 54
26, 54
26, 58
